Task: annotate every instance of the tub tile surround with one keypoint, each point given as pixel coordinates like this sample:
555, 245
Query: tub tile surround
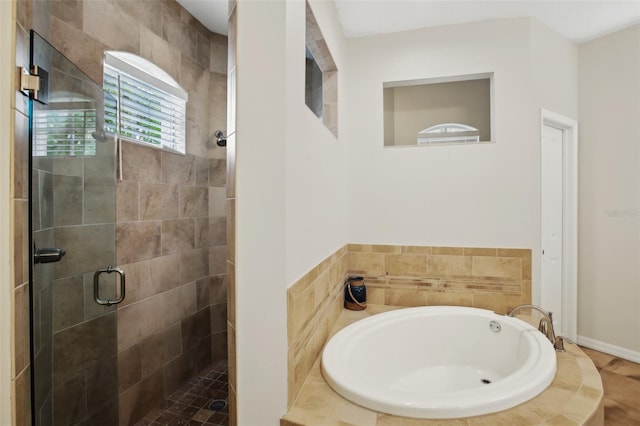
313, 305
399, 276
490, 278
575, 397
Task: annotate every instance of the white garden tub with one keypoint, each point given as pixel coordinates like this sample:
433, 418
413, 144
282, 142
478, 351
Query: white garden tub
439, 362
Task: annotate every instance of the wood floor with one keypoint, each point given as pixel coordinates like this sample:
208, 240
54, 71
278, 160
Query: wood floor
621, 381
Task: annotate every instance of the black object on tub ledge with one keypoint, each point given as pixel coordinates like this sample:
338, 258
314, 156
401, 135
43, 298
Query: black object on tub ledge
355, 294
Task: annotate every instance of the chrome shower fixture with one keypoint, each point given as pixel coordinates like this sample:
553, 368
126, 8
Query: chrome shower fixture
221, 139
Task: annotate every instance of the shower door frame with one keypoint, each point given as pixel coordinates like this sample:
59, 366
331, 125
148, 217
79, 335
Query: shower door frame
73, 350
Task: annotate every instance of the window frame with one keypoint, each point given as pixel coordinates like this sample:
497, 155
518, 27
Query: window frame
143, 82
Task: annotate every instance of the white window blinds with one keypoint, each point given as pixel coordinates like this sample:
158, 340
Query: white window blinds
64, 132
151, 107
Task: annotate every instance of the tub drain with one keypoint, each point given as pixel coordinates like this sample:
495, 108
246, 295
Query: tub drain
485, 381
217, 404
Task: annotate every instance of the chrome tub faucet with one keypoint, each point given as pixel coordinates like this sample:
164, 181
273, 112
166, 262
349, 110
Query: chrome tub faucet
545, 326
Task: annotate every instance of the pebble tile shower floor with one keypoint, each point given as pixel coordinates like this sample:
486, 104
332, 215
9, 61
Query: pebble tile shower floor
202, 401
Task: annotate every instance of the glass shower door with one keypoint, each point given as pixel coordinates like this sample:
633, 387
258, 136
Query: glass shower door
72, 229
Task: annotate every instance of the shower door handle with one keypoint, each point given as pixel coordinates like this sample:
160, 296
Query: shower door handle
96, 286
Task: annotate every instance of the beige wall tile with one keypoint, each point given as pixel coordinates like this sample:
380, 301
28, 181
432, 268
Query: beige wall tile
231, 347
405, 297
378, 248
416, 249
375, 295
501, 267
501, 303
21, 157
526, 266
359, 247
20, 241
456, 251
361, 262
469, 251
22, 398
231, 293
302, 307
405, 264
436, 298
447, 265
21, 328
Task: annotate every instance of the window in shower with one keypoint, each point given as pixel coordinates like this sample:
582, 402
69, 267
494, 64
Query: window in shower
66, 129
151, 105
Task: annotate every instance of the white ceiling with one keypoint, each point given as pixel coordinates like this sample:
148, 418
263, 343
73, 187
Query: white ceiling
577, 20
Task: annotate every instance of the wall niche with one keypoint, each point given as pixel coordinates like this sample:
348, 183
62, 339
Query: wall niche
435, 111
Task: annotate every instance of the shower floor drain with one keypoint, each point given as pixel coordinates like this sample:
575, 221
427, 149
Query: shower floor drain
217, 405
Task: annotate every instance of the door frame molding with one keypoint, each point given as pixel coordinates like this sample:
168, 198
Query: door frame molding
7, 117
569, 129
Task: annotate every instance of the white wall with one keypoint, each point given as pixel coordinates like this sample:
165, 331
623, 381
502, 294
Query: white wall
290, 188
472, 195
261, 328
609, 197
316, 192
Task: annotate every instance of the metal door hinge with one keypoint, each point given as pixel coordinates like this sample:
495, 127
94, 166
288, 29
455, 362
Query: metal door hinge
34, 83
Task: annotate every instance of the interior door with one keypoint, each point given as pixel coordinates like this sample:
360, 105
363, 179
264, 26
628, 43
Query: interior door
72, 230
552, 227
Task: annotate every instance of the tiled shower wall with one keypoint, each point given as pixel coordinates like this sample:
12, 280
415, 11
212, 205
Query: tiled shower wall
171, 241
175, 253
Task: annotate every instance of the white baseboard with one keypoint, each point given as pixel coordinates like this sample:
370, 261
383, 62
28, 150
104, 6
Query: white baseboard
610, 349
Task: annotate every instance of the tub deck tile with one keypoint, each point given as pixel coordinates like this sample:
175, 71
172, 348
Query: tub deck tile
574, 397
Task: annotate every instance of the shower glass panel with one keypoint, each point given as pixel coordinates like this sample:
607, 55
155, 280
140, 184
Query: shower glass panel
72, 230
